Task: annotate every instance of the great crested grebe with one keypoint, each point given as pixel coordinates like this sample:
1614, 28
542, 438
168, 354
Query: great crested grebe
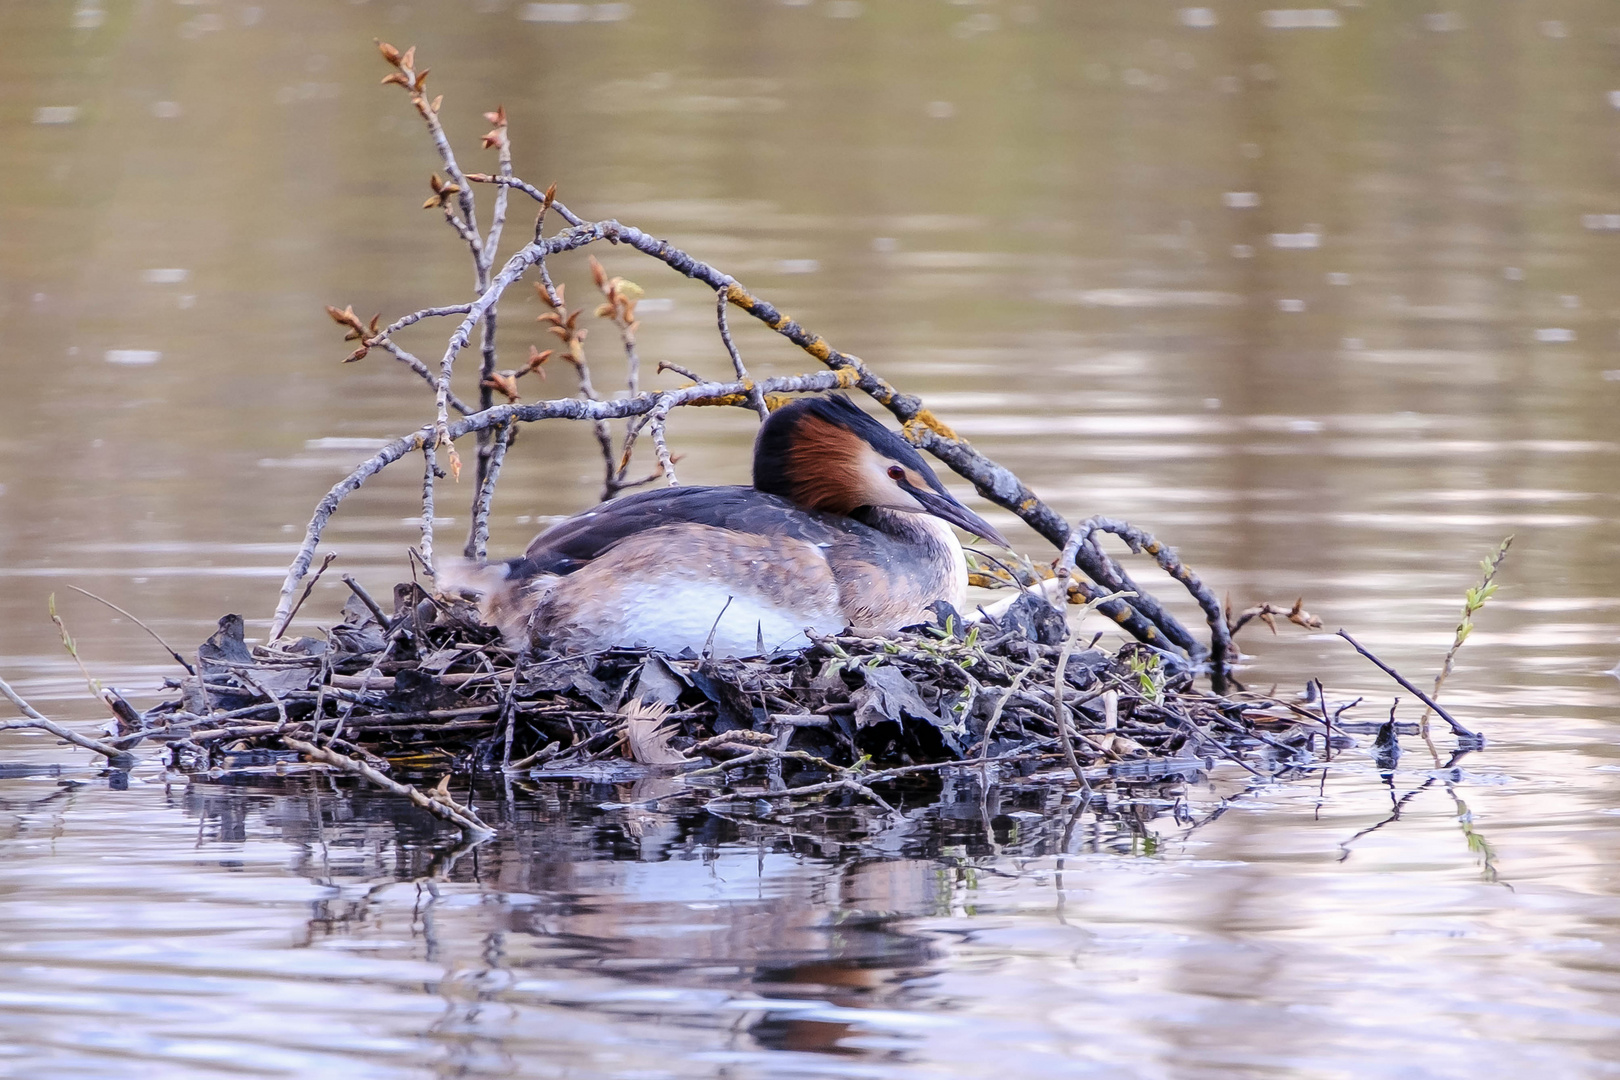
845, 528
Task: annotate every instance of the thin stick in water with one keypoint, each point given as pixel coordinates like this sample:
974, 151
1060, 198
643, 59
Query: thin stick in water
182, 661
118, 759
1456, 728
1060, 711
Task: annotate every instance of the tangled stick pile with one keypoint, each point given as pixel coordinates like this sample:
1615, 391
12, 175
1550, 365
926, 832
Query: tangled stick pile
423, 683
428, 686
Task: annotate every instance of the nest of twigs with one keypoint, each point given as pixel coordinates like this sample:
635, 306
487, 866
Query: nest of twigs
430, 688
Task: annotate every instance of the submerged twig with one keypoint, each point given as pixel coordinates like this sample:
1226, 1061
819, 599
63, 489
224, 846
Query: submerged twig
441, 806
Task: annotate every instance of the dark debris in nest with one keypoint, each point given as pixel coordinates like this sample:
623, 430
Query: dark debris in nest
428, 688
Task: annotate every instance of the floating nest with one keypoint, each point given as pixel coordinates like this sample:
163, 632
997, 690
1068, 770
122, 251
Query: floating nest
428, 689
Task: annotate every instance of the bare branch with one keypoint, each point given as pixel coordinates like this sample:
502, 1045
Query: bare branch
532, 192
655, 422
499, 139
118, 759
1109, 574
182, 661
685, 372
479, 546
557, 408
414, 83
1456, 728
430, 472
417, 316
722, 301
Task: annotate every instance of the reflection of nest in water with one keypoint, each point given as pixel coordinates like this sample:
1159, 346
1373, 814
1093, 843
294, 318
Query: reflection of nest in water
429, 688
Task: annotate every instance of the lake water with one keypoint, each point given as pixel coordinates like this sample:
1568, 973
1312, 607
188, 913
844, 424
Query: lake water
1324, 297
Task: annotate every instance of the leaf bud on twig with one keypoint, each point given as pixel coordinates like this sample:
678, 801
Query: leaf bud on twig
389, 53
442, 191
548, 297
505, 383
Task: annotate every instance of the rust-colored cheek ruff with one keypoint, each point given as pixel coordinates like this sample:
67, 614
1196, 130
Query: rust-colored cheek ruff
823, 465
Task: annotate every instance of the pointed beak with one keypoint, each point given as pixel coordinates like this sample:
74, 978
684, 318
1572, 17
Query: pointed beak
947, 508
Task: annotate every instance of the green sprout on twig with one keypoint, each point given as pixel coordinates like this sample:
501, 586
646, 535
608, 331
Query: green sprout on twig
71, 646
1472, 603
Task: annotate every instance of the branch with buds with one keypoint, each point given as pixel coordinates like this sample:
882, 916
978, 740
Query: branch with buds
1140, 614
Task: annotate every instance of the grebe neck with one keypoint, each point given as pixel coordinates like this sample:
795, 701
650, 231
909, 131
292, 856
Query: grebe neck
921, 529
936, 553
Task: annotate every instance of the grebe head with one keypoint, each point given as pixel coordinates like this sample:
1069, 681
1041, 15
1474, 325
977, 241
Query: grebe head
825, 454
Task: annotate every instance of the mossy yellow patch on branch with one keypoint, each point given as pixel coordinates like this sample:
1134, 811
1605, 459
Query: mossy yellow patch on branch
926, 419
819, 348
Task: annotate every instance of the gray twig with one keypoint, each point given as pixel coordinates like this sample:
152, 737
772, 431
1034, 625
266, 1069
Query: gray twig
532, 192
665, 365
1456, 728
430, 472
655, 424
331, 556
421, 369
1060, 711
557, 408
478, 542
722, 301
182, 661
118, 759
359, 590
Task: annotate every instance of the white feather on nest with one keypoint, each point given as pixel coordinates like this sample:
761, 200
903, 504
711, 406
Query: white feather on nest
648, 735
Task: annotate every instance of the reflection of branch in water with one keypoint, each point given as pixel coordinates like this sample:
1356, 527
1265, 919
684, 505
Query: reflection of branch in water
1476, 841
1063, 850
445, 857
1400, 803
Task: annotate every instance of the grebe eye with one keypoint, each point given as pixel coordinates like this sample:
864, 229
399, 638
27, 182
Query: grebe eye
896, 473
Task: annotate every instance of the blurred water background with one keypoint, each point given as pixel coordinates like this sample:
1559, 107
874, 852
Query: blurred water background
1324, 297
